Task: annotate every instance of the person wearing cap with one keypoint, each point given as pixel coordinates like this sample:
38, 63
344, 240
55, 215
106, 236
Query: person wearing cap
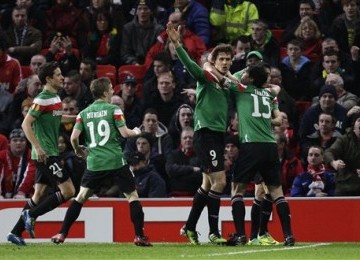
102, 123
133, 105
17, 170
327, 104
139, 34
344, 157
149, 183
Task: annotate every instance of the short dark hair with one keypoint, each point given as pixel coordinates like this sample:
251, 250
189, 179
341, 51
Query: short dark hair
258, 74
309, 2
99, 86
89, 61
150, 111
241, 38
47, 70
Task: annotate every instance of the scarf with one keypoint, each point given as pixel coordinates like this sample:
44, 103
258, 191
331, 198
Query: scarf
316, 171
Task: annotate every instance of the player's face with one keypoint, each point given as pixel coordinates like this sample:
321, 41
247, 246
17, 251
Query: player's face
314, 157
223, 62
57, 80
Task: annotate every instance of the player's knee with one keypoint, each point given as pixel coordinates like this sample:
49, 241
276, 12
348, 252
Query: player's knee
68, 193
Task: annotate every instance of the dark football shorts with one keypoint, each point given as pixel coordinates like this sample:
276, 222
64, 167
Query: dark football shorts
209, 148
123, 177
258, 158
51, 173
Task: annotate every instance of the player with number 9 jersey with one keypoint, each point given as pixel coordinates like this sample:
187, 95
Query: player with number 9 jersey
99, 122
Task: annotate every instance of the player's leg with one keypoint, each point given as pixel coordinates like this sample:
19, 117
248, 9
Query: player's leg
15, 236
256, 214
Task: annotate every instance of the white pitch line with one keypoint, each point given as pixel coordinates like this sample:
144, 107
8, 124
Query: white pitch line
259, 251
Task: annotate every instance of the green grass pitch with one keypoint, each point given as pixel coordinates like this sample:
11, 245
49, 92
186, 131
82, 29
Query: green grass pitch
172, 251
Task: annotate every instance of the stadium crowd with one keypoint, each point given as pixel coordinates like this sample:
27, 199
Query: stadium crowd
312, 46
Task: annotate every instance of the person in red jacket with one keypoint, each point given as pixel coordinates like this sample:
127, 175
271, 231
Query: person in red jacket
193, 43
17, 170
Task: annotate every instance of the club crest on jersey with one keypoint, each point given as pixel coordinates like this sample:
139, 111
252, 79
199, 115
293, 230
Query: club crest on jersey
214, 163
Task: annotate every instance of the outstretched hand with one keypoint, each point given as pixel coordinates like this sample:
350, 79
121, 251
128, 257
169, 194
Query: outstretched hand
174, 35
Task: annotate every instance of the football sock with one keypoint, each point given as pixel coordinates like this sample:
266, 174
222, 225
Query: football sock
71, 215
199, 202
283, 211
255, 218
47, 204
238, 212
20, 226
137, 217
266, 209
213, 204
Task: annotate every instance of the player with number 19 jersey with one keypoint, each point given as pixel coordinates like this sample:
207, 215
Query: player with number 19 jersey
99, 122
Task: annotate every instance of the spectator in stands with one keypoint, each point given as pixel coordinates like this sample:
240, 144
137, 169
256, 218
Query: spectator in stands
286, 102
295, 70
183, 167
104, 40
17, 170
27, 90
23, 39
149, 183
35, 14
183, 118
310, 35
265, 43
345, 98
36, 61
324, 137
140, 34
73, 87
87, 71
196, 16
231, 19
10, 75
166, 102
344, 157
162, 143
327, 104
231, 154
161, 63
290, 165
193, 43
241, 46
290, 133
331, 63
116, 100
306, 10
65, 20
61, 51
115, 13
316, 181
133, 106
70, 107
345, 28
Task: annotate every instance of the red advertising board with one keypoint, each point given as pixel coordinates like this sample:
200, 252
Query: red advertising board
108, 220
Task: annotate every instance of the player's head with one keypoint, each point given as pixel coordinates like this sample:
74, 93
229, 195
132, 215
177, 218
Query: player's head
258, 75
50, 73
221, 57
101, 88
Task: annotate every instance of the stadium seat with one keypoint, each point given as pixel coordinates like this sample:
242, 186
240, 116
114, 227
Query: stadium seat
74, 50
107, 71
138, 71
26, 71
277, 34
